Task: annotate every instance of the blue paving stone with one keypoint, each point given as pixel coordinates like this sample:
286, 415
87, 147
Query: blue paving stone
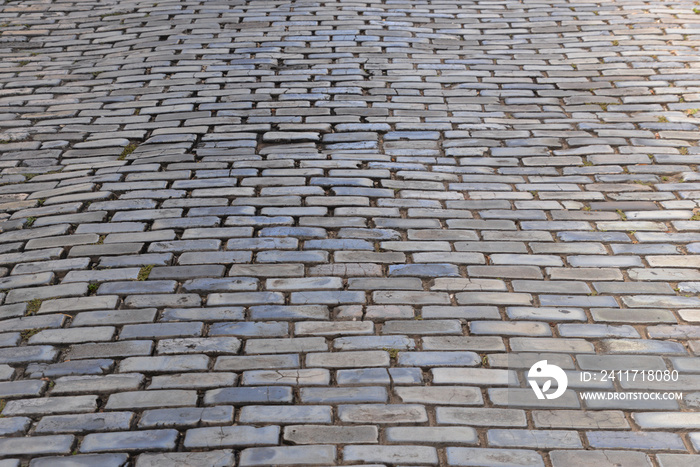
424, 270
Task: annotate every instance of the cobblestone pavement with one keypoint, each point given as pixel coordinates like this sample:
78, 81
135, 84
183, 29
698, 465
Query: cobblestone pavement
341, 232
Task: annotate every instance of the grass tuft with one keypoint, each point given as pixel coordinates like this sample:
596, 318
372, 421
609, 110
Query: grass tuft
28, 333
393, 353
144, 272
131, 147
33, 306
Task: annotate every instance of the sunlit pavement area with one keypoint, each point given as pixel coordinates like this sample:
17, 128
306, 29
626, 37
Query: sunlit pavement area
398, 233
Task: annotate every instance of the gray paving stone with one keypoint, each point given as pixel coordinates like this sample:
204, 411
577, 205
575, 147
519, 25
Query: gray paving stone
160, 330
50, 405
84, 367
212, 345
307, 377
335, 205
516, 397
110, 349
347, 359
666, 460
631, 346
14, 426
372, 342
422, 327
606, 458
285, 414
322, 328
647, 440
219, 458
579, 419
289, 455
437, 435
85, 423
475, 343
39, 445
492, 457
186, 416
660, 420
534, 439
26, 388
82, 460
193, 380
152, 440
432, 359
475, 376
391, 413
391, 454
239, 363
165, 364
250, 395
320, 434
162, 300
291, 345
247, 329
440, 395
151, 399
343, 395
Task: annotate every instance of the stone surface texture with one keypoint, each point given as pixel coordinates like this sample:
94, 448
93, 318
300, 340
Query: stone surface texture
310, 232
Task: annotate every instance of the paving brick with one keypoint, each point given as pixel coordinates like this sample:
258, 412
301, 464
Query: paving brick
391, 454
186, 416
36, 446
606, 458
392, 413
546, 439
147, 440
437, 435
50, 405
151, 399
289, 455
231, 436
219, 458
85, 423
79, 460
331, 216
320, 434
13, 426
492, 457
